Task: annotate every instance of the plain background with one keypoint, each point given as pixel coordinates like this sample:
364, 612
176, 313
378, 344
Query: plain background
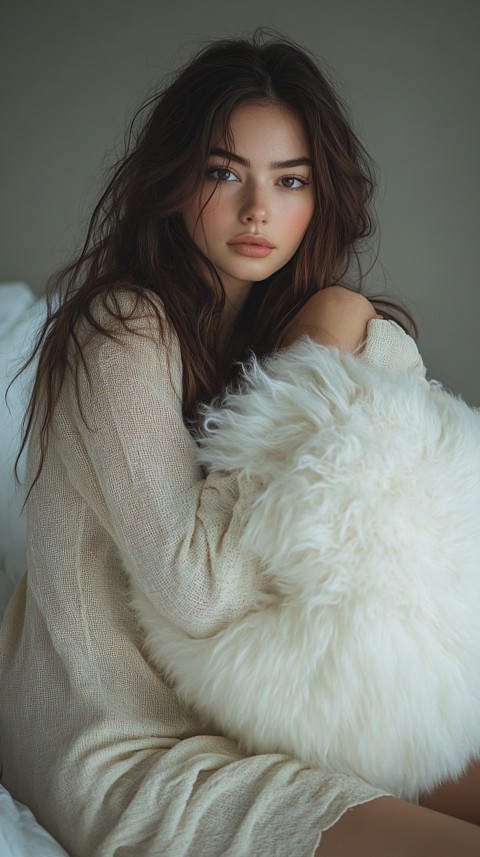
73, 73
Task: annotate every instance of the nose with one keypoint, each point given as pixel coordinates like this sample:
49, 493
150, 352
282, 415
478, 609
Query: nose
255, 206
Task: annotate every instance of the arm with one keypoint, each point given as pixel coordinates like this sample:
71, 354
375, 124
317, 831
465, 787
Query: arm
177, 533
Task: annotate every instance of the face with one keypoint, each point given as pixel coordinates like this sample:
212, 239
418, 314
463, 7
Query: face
257, 199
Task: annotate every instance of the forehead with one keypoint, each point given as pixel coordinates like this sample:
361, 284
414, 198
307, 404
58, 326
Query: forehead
266, 132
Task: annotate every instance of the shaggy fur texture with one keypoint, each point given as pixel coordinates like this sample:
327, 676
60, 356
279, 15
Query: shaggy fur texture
363, 650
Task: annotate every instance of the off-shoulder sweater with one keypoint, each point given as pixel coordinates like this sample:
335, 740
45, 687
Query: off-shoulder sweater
93, 739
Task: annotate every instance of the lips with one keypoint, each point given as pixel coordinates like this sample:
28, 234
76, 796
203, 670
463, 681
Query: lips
255, 246
248, 238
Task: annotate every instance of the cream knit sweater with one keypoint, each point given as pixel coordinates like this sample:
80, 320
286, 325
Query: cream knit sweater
93, 740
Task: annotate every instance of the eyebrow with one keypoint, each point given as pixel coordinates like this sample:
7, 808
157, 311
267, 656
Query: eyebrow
273, 165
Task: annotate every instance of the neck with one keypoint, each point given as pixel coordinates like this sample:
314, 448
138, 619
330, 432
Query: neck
234, 302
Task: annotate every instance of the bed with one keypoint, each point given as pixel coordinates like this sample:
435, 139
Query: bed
21, 313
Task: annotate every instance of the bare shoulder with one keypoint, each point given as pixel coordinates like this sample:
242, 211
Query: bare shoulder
333, 316
343, 293
339, 299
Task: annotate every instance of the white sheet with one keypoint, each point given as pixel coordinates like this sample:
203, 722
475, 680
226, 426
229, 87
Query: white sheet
21, 313
20, 833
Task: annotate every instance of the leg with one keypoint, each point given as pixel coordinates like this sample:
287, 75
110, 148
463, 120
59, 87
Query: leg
388, 827
460, 798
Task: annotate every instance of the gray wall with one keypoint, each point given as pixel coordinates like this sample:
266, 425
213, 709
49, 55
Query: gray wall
73, 72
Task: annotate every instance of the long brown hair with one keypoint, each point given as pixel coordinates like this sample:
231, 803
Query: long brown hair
137, 240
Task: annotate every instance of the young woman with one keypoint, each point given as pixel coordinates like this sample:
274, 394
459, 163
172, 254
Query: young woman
229, 227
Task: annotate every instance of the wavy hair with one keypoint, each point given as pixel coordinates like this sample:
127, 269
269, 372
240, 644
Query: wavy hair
137, 239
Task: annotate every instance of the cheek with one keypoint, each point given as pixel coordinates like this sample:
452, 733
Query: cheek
213, 215
297, 221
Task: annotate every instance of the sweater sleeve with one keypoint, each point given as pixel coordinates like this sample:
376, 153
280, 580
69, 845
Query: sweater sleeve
177, 532
389, 347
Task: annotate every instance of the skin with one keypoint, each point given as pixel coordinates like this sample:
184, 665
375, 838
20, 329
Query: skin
388, 827
333, 316
254, 196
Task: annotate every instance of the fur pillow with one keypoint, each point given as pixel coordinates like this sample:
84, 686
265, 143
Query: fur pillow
362, 653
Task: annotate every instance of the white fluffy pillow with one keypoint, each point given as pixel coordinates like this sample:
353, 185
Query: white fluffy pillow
364, 652
21, 313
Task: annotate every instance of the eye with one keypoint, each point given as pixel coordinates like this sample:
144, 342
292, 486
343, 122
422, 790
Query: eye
293, 182
221, 174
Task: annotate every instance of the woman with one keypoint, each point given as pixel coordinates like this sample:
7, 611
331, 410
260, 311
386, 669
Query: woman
242, 199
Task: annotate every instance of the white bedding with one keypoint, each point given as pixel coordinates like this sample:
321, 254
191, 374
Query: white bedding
21, 314
20, 833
